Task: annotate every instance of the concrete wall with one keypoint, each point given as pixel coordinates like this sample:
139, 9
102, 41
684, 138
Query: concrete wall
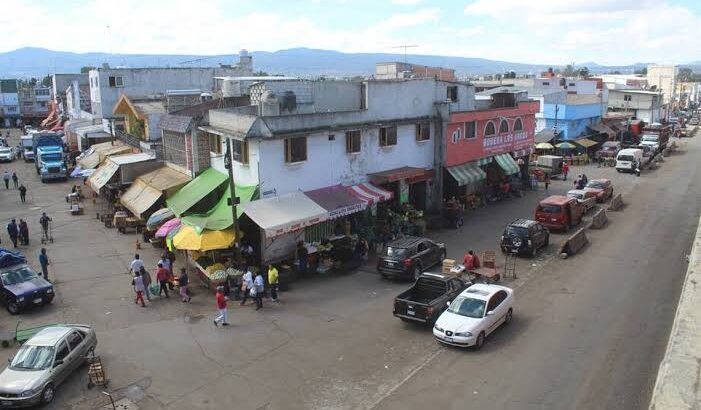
664, 77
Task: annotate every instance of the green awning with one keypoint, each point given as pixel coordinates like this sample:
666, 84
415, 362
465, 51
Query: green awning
483, 161
220, 217
195, 190
507, 163
468, 173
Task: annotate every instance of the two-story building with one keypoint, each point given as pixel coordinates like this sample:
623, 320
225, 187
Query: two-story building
572, 118
485, 145
638, 104
35, 101
62, 82
9, 102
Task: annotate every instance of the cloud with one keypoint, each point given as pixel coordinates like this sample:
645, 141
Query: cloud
416, 18
406, 2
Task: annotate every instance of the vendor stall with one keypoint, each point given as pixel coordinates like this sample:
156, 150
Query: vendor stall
149, 190
122, 170
94, 156
206, 184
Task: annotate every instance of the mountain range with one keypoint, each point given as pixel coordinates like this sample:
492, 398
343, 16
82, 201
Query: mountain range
304, 62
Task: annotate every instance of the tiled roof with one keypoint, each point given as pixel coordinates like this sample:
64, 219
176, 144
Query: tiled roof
175, 123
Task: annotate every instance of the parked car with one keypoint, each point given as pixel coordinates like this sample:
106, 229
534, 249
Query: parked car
7, 154
585, 198
474, 314
21, 287
694, 121
652, 141
524, 237
43, 363
408, 257
559, 212
602, 188
609, 149
428, 297
629, 160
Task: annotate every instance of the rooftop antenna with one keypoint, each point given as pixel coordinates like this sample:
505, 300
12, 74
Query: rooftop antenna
405, 46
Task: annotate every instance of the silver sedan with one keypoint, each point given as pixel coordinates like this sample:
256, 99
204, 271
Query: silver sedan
43, 362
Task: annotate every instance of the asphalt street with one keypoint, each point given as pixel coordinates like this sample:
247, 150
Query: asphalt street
588, 332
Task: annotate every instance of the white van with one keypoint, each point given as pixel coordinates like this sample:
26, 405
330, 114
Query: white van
629, 160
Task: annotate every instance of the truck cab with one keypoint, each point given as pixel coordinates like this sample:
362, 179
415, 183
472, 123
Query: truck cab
50, 163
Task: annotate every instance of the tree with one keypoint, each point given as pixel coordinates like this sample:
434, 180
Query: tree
260, 73
583, 72
46, 81
568, 71
85, 69
642, 71
615, 72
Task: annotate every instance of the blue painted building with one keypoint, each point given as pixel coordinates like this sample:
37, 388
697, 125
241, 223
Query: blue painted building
573, 117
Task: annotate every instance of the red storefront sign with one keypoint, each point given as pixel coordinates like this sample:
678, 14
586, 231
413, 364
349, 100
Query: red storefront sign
479, 134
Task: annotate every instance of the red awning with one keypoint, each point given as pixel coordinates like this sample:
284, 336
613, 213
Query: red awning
370, 194
393, 175
337, 201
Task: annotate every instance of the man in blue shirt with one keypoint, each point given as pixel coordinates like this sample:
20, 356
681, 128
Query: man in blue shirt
44, 262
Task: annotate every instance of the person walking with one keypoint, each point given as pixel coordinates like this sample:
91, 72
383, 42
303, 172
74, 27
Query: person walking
273, 281
15, 180
139, 288
585, 180
44, 221
259, 286
23, 232
13, 232
165, 262
44, 262
147, 282
162, 276
546, 181
246, 285
22, 193
220, 299
565, 170
303, 256
183, 282
137, 264
6, 177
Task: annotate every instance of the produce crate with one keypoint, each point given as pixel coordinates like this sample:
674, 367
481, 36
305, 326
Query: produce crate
448, 264
489, 259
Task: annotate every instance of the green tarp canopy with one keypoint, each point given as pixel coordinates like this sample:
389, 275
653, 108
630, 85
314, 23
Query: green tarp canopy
220, 217
195, 190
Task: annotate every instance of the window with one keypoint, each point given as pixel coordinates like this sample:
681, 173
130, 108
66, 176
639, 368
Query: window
571, 84
627, 97
470, 130
42, 104
489, 129
518, 125
503, 127
388, 136
116, 81
42, 91
74, 340
452, 93
363, 96
295, 149
423, 131
27, 103
352, 142
215, 143
546, 82
11, 108
239, 151
62, 351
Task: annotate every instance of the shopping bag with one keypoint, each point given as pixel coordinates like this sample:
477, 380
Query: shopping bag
252, 292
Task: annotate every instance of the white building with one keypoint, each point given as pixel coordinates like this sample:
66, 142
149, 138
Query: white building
304, 135
664, 77
9, 102
641, 104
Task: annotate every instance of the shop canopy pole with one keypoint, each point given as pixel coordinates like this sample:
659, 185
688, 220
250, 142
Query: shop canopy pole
233, 202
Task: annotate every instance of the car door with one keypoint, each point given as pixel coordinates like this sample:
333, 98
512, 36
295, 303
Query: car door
423, 255
458, 286
493, 320
434, 252
76, 343
62, 365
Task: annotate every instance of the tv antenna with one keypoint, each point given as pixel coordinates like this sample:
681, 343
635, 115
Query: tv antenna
405, 46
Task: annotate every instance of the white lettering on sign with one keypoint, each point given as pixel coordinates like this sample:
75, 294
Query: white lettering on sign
504, 139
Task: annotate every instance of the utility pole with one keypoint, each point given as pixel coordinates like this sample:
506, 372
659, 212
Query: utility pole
234, 200
405, 47
557, 108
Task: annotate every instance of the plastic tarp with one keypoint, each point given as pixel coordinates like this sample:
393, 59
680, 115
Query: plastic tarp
369, 193
507, 163
285, 213
220, 217
586, 142
99, 152
337, 201
102, 176
165, 179
167, 227
158, 217
194, 191
149, 188
189, 239
9, 258
468, 173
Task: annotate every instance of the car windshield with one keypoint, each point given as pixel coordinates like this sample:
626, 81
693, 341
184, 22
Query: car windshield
625, 158
550, 209
5, 150
596, 184
469, 307
393, 252
19, 275
33, 358
516, 231
649, 138
610, 148
575, 195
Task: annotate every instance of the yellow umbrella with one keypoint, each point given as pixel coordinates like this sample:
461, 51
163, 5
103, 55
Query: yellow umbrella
544, 145
188, 239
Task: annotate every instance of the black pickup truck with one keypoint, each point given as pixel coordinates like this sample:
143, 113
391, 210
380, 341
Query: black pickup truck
428, 298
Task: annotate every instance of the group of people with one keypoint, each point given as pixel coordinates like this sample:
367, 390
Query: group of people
19, 231
142, 280
252, 286
581, 181
8, 176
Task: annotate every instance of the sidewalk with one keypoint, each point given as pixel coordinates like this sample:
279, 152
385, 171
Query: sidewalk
679, 376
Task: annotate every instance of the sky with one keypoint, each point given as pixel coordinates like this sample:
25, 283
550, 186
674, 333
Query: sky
610, 32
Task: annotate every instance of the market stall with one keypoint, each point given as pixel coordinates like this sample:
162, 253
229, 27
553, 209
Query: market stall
122, 170
94, 156
148, 191
204, 186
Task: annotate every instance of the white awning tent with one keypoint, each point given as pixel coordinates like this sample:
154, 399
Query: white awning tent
285, 213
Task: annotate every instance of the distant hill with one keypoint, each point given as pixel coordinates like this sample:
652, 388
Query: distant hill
305, 62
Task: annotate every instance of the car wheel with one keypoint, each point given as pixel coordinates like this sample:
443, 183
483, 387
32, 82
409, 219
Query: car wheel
503, 249
417, 272
534, 251
480, 341
547, 241
47, 395
509, 317
13, 307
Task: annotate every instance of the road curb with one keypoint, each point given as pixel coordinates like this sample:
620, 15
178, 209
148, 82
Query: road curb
677, 386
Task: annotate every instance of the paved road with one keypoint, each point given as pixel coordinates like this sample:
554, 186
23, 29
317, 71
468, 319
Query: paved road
589, 331
582, 325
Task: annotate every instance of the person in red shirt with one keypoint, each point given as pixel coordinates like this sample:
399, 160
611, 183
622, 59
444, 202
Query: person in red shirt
221, 308
565, 171
468, 261
162, 276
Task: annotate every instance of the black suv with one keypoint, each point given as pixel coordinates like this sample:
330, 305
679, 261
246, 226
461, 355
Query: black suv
406, 258
524, 237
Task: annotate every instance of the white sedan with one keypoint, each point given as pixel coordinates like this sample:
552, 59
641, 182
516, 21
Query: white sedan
474, 314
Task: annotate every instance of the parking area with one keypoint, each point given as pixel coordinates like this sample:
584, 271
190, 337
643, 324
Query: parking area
331, 343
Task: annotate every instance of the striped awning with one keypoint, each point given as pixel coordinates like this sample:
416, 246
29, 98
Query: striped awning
507, 163
467, 173
369, 193
483, 161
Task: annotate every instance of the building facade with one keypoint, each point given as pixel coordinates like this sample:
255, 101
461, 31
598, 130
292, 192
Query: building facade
664, 78
34, 103
397, 70
572, 118
60, 83
9, 102
637, 104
